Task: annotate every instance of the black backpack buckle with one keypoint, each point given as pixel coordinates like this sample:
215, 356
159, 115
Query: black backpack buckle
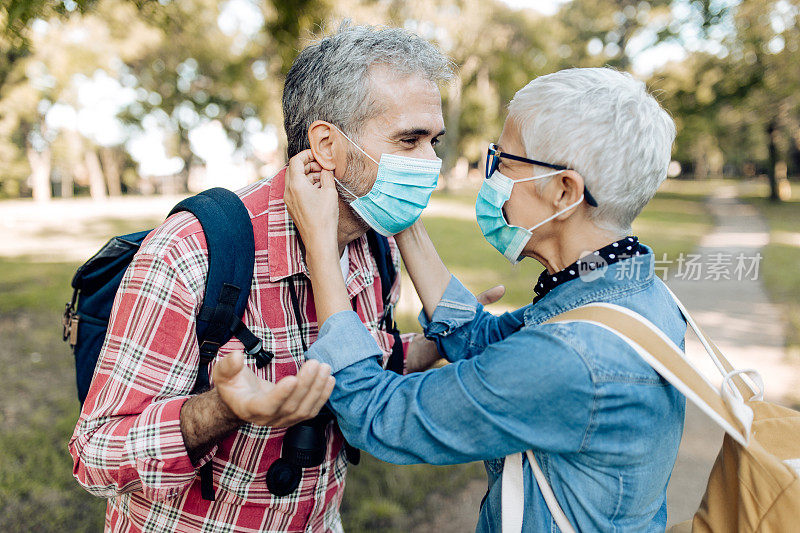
208, 351
70, 324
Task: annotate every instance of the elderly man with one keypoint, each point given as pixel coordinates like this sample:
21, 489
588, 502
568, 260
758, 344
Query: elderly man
142, 436
581, 153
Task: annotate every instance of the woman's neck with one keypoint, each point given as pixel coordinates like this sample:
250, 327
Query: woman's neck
560, 251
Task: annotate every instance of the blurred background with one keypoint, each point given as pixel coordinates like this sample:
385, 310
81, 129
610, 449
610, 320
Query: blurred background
112, 110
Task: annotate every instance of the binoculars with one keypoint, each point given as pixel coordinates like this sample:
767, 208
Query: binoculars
303, 447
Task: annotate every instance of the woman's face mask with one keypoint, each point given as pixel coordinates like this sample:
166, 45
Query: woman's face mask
401, 191
507, 239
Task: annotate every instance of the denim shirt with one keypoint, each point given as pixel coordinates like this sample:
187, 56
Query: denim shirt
604, 426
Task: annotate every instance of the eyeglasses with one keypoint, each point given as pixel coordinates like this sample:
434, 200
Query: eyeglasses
494, 155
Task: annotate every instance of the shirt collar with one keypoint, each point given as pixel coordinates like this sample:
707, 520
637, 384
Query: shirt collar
285, 256
284, 251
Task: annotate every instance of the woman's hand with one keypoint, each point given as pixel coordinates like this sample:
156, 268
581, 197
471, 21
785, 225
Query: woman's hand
314, 208
312, 201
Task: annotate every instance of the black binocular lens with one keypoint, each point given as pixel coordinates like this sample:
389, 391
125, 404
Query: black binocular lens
304, 446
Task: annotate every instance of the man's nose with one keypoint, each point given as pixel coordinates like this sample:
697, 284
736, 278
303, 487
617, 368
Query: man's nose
425, 151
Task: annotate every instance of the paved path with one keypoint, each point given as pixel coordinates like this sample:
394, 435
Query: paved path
73, 229
738, 316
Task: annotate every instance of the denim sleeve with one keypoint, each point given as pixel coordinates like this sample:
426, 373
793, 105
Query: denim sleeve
342, 341
460, 326
529, 391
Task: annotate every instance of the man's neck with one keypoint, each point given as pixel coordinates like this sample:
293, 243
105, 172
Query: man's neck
351, 227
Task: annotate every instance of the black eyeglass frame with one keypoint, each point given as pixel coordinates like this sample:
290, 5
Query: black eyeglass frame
493, 156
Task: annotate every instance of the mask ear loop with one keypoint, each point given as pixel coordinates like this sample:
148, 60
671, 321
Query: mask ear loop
559, 213
354, 144
348, 191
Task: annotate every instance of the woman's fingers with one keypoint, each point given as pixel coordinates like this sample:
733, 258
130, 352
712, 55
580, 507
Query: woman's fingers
326, 180
312, 166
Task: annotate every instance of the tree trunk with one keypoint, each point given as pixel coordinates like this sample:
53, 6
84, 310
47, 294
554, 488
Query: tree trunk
97, 183
67, 184
453, 117
40, 163
111, 168
772, 132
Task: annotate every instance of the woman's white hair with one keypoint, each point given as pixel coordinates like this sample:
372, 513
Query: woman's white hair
603, 124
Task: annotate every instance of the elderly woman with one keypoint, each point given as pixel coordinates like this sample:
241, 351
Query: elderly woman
581, 153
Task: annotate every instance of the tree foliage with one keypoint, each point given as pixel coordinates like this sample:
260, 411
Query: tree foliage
733, 93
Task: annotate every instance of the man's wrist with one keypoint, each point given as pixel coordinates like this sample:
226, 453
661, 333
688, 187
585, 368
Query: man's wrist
204, 420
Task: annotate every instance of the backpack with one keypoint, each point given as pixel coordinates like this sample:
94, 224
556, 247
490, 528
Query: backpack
231, 257
755, 482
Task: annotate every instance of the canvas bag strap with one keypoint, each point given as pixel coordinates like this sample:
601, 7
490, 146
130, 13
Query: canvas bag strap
720, 361
725, 407
512, 495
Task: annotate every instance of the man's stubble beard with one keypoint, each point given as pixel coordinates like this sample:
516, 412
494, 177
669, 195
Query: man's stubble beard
356, 179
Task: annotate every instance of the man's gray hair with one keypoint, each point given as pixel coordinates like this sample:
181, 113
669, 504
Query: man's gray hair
329, 80
606, 126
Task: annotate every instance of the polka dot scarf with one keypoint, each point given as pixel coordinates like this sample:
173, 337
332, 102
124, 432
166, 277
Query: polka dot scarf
607, 255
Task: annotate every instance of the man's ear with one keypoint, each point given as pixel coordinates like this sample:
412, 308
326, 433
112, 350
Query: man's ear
320, 138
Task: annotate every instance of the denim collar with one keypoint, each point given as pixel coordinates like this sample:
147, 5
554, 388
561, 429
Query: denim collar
626, 276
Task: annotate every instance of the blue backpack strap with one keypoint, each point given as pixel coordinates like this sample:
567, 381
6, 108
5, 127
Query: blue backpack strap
381, 251
231, 256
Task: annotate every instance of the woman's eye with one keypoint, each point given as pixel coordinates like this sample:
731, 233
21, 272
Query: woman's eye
434, 142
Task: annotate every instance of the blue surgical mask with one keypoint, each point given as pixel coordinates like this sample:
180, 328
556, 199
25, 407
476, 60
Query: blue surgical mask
401, 191
507, 239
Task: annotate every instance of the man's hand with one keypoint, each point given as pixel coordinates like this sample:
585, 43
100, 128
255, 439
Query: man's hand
282, 404
422, 353
240, 396
490, 296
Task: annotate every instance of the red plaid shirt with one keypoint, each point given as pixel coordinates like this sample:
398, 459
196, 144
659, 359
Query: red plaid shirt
128, 446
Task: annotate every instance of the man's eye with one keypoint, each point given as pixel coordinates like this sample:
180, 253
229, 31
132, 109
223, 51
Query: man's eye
435, 142
409, 141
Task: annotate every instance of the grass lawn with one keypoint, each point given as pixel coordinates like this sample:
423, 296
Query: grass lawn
38, 406
781, 272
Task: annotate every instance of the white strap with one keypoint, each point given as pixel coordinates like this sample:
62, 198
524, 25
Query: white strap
513, 495
549, 498
756, 385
